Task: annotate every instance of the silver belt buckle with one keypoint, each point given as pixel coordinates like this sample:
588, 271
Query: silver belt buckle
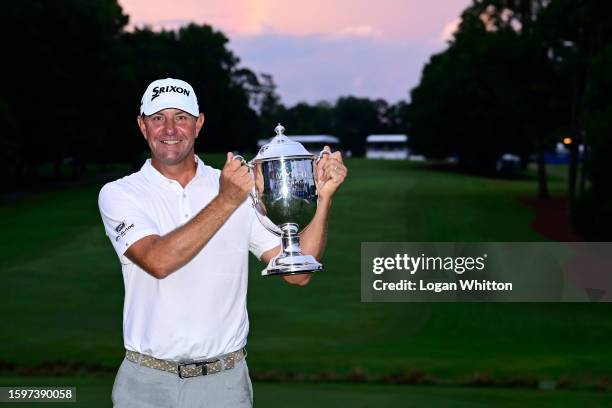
192, 365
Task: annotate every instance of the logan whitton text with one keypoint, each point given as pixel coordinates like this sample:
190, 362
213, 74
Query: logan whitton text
464, 285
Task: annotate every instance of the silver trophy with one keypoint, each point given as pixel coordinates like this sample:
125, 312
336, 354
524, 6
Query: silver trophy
285, 199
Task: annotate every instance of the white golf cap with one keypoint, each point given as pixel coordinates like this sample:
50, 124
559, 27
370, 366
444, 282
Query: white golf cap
169, 93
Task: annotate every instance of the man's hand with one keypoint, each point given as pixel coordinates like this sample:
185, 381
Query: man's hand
330, 173
236, 182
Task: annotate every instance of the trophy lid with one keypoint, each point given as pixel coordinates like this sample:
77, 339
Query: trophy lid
281, 146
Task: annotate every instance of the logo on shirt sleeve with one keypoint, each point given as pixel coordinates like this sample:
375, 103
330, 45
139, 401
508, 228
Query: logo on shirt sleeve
122, 229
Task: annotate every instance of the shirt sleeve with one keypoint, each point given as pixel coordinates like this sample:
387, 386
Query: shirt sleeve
125, 221
261, 240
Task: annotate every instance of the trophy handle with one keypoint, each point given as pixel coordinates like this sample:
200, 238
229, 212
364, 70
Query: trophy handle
242, 160
320, 155
253, 193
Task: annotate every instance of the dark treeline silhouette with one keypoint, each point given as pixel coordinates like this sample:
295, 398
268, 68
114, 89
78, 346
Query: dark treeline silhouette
74, 78
349, 118
63, 71
519, 76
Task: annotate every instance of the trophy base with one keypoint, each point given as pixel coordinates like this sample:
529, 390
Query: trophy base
290, 260
291, 265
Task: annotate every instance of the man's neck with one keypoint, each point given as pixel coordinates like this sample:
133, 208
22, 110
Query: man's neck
182, 172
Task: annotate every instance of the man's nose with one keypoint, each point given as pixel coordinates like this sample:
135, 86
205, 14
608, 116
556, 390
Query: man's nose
169, 127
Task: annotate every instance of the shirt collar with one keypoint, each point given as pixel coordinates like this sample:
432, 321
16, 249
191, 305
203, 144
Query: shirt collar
155, 177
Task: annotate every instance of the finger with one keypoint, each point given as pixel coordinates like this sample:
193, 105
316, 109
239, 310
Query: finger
231, 164
332, 164
242, 171
335, 168
333, 174
323, 159
324, 154
340, 176
234, 165
321, 168
337, 155
329, 174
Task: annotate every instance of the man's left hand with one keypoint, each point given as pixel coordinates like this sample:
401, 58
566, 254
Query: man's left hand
330, 173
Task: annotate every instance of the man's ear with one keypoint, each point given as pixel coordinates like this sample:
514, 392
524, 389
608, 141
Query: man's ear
142, 126
199, 124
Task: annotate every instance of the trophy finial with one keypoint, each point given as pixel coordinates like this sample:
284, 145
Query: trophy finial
279, 129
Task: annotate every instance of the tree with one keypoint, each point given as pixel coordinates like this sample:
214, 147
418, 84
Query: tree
355, 118
577, 32
593, 209
494, 90
468, 99
9, 159
59, 84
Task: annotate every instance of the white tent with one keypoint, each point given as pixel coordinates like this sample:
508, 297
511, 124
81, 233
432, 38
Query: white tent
387, 146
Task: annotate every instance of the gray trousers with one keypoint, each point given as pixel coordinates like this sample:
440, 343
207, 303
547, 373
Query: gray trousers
139, 387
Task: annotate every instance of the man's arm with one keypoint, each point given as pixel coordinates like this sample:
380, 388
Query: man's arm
162, 255
330, 174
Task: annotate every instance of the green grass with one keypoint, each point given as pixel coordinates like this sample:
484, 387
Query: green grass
63, 291
95, 392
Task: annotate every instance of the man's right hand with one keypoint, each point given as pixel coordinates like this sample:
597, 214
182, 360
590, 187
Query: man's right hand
235, 182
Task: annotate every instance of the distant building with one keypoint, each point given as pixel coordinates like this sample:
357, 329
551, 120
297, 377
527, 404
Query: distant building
508, 164
561, 154
388, 147
313, 143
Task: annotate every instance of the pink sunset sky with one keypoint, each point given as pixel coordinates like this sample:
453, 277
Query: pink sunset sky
320, 50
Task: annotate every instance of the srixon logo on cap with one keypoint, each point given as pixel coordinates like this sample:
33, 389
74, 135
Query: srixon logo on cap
158, 90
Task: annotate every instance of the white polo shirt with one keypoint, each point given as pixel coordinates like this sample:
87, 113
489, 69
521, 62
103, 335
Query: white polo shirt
199, 311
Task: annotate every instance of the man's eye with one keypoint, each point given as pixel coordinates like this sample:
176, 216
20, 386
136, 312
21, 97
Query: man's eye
181, 117
157, 118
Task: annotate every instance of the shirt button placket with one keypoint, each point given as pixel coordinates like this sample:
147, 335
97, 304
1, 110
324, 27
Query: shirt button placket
185, 205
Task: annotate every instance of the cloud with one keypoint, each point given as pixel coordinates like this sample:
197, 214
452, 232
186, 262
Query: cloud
360, 31
316, 67
165, 24
449, 30
391, 20
317, 49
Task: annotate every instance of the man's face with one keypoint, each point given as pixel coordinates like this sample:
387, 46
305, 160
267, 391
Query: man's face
171, 134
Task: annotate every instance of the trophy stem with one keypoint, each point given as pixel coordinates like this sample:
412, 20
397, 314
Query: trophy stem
290, 260
290, 240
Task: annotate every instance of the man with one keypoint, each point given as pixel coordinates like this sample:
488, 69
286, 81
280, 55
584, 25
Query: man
182, 231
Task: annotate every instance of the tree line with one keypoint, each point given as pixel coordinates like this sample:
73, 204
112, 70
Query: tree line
518, 76
75, 78
349, 118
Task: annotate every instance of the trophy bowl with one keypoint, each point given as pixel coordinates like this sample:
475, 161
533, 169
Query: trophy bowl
285, 199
